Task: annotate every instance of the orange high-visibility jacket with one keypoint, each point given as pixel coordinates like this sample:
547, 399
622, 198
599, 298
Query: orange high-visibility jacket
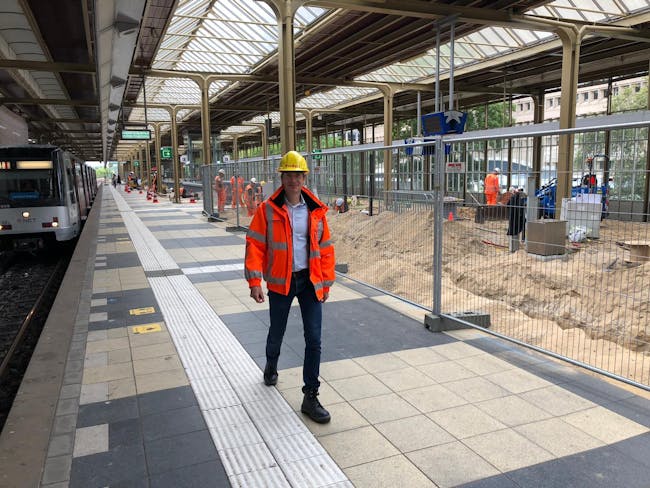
492, 183
269, 250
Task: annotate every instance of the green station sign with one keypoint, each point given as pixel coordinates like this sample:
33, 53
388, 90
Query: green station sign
317, 153
165, 152
136, 135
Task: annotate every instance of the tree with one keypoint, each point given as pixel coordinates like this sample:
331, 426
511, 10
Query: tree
498, 116
629, 99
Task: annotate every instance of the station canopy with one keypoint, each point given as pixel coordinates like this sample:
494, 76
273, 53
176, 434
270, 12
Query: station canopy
240, 36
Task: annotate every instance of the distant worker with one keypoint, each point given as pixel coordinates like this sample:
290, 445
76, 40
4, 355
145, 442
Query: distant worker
341, 206
289, 245
237, 189
252, 196
220, 188
492, 187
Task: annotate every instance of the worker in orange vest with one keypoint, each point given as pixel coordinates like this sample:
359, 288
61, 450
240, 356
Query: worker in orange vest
220, 188
252, 196
237, 189
492, 187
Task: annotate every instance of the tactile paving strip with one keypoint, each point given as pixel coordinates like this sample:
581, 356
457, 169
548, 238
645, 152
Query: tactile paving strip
254, 429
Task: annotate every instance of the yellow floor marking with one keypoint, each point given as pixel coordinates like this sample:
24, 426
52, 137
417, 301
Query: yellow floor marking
142, 311
146, 328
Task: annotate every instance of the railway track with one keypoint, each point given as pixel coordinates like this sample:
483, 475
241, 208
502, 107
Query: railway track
28, 287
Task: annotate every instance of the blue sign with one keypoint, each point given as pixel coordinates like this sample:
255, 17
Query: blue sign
440, 123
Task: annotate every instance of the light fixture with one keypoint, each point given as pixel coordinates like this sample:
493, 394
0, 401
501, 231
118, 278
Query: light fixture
25, 214
125, 25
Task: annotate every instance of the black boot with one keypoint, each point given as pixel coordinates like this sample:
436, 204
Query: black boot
270, 375
312, 407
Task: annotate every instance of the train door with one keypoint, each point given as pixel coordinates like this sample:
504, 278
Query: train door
71, 197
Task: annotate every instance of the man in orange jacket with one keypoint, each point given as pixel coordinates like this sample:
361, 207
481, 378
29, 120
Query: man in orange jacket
288, 243
220, 188
237, 190
492, 187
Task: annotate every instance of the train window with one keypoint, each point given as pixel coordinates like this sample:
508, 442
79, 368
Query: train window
34, 186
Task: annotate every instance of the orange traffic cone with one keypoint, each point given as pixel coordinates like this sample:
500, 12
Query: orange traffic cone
451, 217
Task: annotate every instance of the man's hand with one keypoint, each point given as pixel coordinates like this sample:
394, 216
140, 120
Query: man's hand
257, 294
326, 295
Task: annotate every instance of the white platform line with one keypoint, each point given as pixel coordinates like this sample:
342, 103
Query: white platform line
253, 427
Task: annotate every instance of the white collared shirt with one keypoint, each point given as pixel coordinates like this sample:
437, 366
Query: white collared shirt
299, 218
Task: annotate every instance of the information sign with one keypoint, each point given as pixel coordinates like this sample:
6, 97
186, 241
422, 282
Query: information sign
165, 152
136, 135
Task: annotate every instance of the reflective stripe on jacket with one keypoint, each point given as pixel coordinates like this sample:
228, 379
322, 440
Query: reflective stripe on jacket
269, 250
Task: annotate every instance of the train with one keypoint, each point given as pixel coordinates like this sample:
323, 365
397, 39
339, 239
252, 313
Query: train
46, 194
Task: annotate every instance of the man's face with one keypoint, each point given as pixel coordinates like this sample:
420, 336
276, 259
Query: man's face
293, 181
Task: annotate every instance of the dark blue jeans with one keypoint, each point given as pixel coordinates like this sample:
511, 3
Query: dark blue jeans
312, 313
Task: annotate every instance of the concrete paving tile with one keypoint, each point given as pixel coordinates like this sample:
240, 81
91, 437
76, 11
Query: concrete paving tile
484, 364
380, 363
388, 473
432, 398
109, 468
558, 437
107, 345
465, 421
116, 332
210, 473
405, 379
512, 410
517, 380
336, 370
140, 340
57, 469
67, 406
507, 450
125, 433
64, 424
326, 395
156, 364
171, 399
172, 422
94, 392
118, 356
61, 445
476, 389
121, 388
344, 417
107, 373
90, 440
383, 408
358, 446
413, 433
420, 356
456, 350
605, 425
70, 391
446, 371
98, 302
97, 335
161, 381
289, 378
175, 452
451, 464
557, 400
98, 316
153, 351
96, 360
359, 387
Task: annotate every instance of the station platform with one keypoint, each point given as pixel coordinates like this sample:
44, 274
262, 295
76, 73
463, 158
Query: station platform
149, 374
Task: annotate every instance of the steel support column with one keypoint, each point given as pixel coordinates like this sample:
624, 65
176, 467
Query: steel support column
569, 89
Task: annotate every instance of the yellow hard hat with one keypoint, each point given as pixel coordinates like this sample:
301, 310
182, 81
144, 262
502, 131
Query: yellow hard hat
293, 161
